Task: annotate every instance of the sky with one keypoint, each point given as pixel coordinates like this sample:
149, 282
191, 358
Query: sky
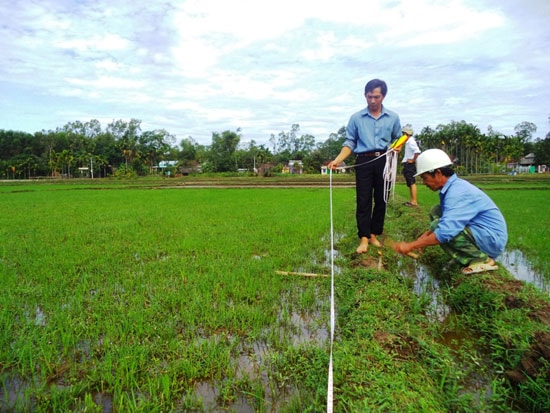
197, 67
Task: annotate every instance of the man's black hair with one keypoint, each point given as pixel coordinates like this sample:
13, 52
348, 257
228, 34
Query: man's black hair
374, 83
445, 171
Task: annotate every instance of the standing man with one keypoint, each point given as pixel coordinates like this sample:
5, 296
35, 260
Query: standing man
368, 135
412, 150
466, 224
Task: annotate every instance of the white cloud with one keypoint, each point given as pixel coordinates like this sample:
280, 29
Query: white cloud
108, 65
104, 42
106, 82
196, 66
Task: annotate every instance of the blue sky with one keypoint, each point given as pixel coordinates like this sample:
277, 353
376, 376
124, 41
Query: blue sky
203, 66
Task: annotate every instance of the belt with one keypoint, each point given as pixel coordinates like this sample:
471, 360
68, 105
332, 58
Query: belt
371, 154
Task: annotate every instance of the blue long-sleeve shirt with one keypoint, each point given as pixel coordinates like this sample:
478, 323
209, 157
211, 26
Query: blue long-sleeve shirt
465, 205
365, 133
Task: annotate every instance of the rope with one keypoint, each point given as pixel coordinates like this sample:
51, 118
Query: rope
364, 163
390, 174
330, 392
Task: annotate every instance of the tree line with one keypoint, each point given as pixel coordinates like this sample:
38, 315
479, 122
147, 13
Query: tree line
122, 149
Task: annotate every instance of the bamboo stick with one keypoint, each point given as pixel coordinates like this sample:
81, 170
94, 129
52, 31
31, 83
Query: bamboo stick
303, 274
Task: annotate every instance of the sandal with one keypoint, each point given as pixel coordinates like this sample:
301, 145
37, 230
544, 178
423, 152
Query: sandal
477, 267
409, 204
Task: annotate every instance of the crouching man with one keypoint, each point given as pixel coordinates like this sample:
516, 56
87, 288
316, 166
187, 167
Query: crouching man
466, 224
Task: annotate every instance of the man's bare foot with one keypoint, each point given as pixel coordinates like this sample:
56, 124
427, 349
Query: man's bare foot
363, 246
374, 241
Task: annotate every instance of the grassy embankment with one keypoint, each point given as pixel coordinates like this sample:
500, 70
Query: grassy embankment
159, 300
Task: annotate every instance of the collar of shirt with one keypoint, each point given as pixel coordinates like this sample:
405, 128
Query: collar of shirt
449, 182
366, 112
443, 190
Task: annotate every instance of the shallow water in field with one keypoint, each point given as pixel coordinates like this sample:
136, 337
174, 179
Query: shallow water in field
521, 269
477, 382
208, 394
300, 328
428, 287
253, 365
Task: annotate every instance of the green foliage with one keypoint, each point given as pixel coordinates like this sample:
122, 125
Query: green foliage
542, 151
60, 152
221, 156
125, 172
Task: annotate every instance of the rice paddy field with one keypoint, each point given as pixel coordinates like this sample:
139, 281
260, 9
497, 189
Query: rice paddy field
213, 294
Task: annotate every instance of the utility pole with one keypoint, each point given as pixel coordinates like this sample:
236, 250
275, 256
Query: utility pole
92, 167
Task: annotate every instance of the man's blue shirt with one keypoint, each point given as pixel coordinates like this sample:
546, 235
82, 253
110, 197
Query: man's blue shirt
465, 205
364, 133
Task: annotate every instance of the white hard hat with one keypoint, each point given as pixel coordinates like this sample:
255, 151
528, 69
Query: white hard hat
430, 160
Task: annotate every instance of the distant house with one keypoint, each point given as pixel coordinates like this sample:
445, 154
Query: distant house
190, 167
527, 164
167, 164
166, 167
84, 171
264, 169
293, 167
527, 160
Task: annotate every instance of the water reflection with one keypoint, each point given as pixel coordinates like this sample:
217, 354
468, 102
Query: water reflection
521, 269
427, 286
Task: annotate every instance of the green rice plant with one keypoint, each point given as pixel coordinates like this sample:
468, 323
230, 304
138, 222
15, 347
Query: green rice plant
137, 291
528, 224
119, 286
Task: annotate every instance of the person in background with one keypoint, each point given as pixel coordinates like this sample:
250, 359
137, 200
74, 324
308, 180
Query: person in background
368, 134
466, 224
412, 150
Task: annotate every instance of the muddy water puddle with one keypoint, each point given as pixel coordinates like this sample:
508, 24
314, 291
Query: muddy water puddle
427, 287
253, 365
208, 394
477, 381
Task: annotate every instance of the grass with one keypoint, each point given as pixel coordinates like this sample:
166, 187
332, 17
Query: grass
144, 293
134, 296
